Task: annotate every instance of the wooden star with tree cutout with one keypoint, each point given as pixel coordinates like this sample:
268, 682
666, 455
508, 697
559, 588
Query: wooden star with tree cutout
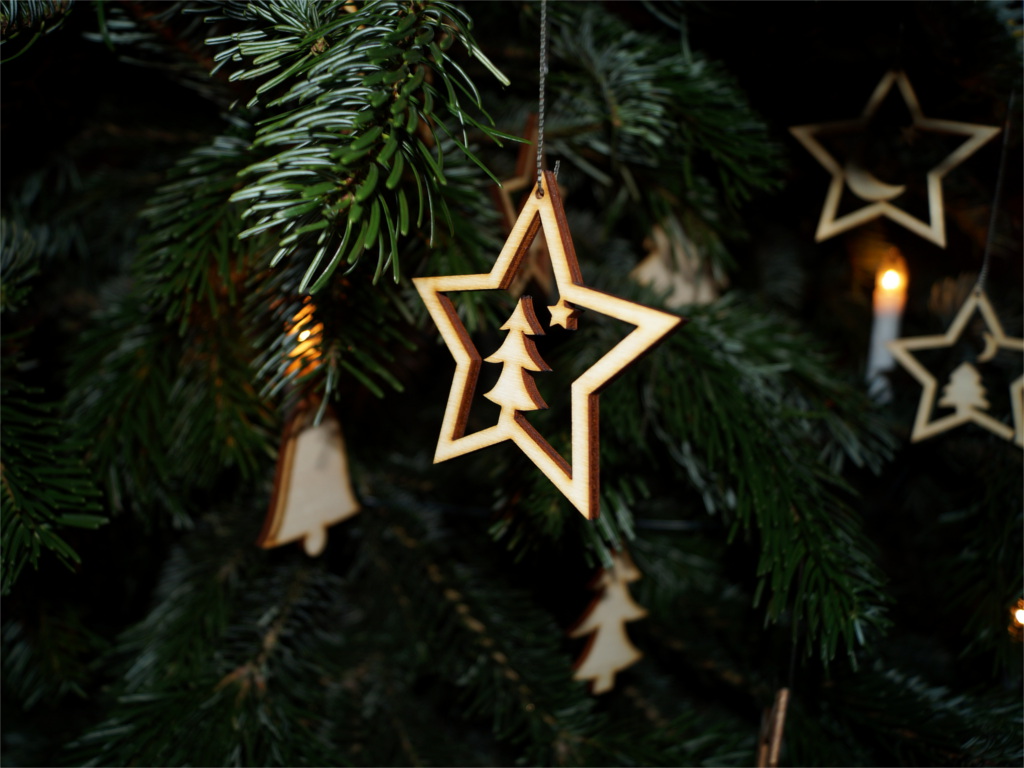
579, 480
963, 392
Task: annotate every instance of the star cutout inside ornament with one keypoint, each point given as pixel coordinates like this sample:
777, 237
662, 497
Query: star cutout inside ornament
564, 315
580, 479
876, 192
537, 264
963, 392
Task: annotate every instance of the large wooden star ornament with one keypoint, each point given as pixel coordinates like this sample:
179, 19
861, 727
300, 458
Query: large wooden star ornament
878, 194
963, 392
579, 480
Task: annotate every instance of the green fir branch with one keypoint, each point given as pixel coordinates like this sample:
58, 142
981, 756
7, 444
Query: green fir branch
168, 415
491, 643
44, 485
359, 104
234, 687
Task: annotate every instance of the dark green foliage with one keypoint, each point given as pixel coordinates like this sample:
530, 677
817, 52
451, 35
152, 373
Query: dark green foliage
43, 482
162, 234
248, 702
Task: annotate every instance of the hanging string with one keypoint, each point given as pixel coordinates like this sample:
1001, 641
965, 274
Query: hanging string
543, 80
980, 285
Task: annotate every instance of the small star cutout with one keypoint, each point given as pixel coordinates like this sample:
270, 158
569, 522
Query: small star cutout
564, 315
872, 190
580, 480
961, 394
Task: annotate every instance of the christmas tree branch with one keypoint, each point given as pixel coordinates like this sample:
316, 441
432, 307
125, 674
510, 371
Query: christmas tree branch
357, 99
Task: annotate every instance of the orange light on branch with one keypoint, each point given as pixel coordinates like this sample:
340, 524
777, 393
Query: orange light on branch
308, 334
1016, 626
890, 297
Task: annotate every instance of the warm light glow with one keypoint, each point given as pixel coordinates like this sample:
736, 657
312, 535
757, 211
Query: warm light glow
307, 339
1018, 616
891, 280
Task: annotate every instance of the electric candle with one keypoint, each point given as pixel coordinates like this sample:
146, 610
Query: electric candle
889, 299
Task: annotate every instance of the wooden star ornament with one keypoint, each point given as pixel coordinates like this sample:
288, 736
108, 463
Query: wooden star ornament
878, 194
579, 480
963, 392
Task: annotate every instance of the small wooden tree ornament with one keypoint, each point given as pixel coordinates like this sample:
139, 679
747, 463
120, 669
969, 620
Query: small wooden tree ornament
964, 391
609, 650
312, 489
580, 480
676, 269
878, 194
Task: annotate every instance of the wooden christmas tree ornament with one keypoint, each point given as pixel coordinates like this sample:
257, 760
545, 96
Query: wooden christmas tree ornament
312, 489
579, 481
676, 270
609, 650
964, 391
878, 194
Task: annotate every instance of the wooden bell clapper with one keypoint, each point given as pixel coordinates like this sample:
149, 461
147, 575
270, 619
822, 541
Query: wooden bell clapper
578, 477
312, 488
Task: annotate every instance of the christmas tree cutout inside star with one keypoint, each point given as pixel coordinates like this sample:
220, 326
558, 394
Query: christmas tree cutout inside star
964, 391
516, 390
609, 650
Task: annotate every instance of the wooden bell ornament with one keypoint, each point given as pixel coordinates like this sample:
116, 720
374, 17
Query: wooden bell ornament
312, 488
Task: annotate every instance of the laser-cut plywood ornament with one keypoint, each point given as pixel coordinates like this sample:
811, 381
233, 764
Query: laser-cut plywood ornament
579, 480
312, 489
676, 270
609, 650
964, 391
537, 262
769, 744
878, 194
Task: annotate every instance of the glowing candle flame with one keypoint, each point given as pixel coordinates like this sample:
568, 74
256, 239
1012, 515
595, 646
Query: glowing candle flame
891, 280
1018, 616
304, 335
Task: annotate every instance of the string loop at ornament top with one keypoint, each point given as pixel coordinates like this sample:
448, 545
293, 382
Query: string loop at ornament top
540, 111
996, 194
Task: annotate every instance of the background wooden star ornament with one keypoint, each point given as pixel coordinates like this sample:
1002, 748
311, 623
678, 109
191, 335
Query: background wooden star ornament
963, 392
536, 264
579, 480
875, 192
